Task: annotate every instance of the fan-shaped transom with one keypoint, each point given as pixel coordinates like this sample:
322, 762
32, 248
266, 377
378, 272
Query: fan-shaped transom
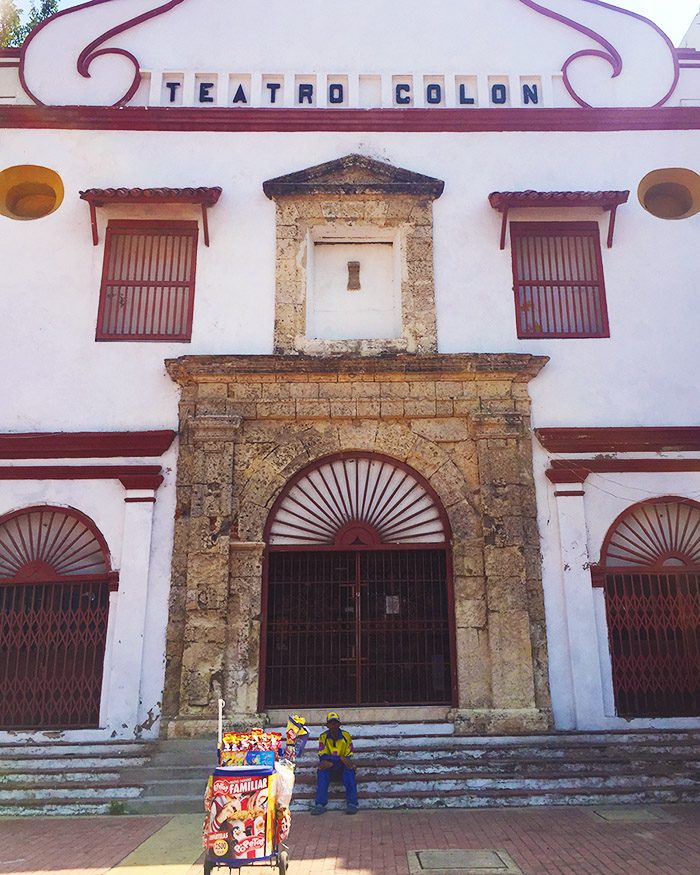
661, 534
50, 542
357, 500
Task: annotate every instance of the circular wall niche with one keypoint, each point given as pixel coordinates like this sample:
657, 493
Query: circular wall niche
28, 191
671, 193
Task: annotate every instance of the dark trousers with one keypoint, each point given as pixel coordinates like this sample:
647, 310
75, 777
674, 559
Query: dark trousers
323, 781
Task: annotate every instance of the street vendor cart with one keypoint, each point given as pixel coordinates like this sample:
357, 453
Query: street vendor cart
248, 797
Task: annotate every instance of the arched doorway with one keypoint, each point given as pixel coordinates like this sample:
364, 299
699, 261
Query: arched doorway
54, 603
357, 594
650, 570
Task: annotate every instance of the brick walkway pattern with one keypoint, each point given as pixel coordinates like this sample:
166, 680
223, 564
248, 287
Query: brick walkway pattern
552, 841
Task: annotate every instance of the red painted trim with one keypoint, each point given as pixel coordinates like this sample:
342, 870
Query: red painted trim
10, 53
154, 118
131, 477
688, 54
620, 440
85, 444
150, 500
569, 492
71, 511
577, 470
609, 53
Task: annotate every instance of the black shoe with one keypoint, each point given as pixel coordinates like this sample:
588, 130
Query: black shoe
318, 809
351, 809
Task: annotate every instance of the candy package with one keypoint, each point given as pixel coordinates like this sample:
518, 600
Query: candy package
296, 736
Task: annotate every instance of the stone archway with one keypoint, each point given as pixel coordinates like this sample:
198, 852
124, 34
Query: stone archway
358, 605
250, 424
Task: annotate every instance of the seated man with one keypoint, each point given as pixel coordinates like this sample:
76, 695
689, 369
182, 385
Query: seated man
335, 752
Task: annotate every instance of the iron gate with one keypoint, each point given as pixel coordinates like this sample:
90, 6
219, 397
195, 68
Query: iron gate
654, 630
52, 647
357, 628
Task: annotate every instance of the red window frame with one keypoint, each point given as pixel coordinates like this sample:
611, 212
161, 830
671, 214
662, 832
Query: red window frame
568, 308
155, 310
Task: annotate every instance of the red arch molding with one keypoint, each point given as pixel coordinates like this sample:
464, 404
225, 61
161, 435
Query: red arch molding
111, 575
599, 570
446, 546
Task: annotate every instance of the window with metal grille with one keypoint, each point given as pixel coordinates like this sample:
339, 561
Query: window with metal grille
558, 280
148, 277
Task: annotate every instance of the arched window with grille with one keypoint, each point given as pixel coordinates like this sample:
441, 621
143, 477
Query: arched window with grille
55, 580
358, 600
650, 571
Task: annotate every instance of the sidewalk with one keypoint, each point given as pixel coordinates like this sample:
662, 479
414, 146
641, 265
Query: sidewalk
650, 840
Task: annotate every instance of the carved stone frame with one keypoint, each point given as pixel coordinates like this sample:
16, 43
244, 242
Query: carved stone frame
341, 197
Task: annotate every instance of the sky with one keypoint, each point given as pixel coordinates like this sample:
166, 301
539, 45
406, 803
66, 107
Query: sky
673, 16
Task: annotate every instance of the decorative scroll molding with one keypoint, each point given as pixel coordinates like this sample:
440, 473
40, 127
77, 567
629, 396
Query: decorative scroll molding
555, 9
48, 38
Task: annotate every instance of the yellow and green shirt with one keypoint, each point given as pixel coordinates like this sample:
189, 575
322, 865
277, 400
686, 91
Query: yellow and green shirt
339, 747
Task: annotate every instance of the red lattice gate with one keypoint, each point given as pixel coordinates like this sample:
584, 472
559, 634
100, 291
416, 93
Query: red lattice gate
654, 630
52, 647
55, 581
358, 628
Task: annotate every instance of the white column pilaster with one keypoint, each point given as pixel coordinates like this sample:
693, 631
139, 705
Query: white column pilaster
579, 607
130, 613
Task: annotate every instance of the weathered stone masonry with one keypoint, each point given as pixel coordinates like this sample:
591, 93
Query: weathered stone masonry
249, 423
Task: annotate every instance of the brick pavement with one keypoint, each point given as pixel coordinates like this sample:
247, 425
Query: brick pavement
551, 841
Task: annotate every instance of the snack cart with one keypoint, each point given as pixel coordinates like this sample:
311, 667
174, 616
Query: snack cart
248, 797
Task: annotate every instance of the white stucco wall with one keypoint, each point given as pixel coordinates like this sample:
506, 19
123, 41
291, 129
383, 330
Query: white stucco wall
52, 276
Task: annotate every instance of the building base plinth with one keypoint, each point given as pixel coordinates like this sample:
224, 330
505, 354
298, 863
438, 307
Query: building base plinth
520, 721
204, 727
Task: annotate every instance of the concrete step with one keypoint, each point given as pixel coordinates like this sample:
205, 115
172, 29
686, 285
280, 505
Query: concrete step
52, 792
50, 777
60, 749
452, 799
404, 768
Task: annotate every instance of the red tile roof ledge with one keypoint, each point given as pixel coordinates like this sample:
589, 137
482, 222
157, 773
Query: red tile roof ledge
503, 201
207, 196
204, 196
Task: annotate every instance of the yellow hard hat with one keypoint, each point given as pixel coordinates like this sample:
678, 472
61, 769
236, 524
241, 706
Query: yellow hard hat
332, 715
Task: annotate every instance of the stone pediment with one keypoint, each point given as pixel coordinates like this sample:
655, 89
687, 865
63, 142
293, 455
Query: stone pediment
354, 175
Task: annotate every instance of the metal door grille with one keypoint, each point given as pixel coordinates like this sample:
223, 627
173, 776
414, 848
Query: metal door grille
558, 280
148, 281
52, 647
654, 630
357, 628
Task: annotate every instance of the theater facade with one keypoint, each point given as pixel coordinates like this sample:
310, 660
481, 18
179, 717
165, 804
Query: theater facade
348, 362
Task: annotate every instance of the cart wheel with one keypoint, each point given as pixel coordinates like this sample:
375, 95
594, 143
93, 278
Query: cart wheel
282, 862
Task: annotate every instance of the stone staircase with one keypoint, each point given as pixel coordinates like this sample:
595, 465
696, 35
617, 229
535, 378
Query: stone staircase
65, 778
399, 766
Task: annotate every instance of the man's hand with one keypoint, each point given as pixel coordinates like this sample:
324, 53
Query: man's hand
348, 763
324, 765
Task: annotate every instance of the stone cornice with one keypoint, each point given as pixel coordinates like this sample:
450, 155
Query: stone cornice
518, 367
354, 175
